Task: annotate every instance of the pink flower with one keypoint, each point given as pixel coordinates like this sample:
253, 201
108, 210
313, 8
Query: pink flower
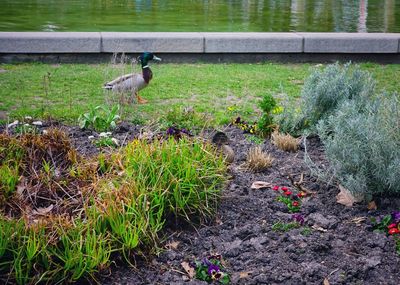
295, 204
275, 188
391, 226
284, 188
287, 193
394, 231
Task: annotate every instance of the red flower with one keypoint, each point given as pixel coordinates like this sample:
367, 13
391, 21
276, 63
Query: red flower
301, 195
391, 226
284, 188
275, 188
287, 193
295, 204
394, 231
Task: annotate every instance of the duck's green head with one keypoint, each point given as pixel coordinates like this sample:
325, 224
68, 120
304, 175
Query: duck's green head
145, 57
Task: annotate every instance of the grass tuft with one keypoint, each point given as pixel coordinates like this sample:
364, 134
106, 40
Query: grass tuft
285, 142
257, 160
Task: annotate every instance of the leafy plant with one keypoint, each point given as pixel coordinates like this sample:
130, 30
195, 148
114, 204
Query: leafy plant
266, 123
100, 118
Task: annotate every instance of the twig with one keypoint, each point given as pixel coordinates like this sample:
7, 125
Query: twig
299, 185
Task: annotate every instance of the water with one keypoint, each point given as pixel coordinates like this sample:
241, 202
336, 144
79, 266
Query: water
201, 15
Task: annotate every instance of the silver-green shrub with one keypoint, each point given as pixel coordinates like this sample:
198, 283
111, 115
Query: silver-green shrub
323, 91
362, 144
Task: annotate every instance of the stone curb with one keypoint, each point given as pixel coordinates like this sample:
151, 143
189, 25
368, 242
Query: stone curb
204, 43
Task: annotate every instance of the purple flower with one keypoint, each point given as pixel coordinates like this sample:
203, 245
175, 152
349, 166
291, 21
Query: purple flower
396, 216
214, 272
298, 218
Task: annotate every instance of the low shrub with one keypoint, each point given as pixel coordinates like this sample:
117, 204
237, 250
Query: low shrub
321, 95
362, 143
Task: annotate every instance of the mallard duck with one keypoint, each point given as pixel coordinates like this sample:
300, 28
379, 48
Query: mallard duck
134, 82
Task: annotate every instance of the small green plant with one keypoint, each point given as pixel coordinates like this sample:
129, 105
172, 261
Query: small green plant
185, 118
284, 226
26, 129
266, 123
106, 142
292, 202
255, 139
211, 269
100, 118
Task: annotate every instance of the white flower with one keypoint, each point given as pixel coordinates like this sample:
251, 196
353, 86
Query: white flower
37, 123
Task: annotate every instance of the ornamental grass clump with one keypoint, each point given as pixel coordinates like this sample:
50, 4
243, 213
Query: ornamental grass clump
285, 141
257, 160
65, 216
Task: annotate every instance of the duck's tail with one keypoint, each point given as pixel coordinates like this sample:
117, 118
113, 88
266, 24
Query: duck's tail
107, 86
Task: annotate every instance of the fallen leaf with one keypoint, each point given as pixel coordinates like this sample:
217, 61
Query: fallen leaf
358, 220
372, 205
43, 211
260, 185
173, 245
346, 198
244, 274
315, 227
189, 270
326, 281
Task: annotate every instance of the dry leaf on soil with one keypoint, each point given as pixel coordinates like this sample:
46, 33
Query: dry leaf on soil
315, 227
189, 270
372, 206
172, 245
346, 198
43, 211
244, 274
260, 185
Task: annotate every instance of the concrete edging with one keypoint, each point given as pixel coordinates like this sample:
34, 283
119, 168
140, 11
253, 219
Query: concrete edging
198, 43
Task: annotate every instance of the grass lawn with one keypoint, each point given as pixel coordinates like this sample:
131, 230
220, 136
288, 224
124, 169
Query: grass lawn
67, 90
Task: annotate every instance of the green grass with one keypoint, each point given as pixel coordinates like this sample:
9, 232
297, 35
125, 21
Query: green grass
66, 91
124, 201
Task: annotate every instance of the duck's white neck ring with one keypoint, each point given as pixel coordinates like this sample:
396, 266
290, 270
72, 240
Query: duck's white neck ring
146, 66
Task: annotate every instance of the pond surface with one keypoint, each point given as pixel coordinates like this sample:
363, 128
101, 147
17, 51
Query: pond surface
201, 15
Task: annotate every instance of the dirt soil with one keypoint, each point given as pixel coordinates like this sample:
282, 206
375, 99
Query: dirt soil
335, 246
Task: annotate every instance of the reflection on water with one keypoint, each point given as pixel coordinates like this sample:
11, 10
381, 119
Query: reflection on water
201, 15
